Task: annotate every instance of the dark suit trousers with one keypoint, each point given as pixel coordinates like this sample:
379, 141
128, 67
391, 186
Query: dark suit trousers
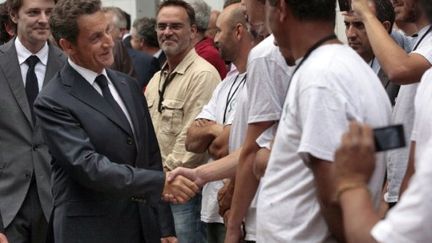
29, 225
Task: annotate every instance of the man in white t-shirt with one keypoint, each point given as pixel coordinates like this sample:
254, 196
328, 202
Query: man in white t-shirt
411, 218
401, 68
211, 129
331, 86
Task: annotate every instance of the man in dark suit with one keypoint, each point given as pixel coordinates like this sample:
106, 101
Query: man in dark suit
107, 172
3, 238
26, 200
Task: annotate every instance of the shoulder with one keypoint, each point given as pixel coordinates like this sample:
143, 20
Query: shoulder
7, 47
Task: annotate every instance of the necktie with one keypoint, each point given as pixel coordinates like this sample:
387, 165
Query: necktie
31, 85
102, 81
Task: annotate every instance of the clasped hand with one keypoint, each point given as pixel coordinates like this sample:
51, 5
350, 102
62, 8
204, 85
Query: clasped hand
179, 189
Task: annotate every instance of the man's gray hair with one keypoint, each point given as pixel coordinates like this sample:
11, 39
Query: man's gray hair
202, 14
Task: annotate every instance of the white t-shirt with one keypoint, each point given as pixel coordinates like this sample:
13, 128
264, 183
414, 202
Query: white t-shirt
267, 83
221, 109
332, 87
404, 113
411, 219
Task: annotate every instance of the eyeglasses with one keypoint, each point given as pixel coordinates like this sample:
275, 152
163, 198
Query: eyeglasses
172, 26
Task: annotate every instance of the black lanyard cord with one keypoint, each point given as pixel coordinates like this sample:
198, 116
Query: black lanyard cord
230, 96
167, 81
421, 39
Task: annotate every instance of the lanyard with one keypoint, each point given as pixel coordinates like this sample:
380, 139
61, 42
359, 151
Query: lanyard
421, 39
309, 52
230, 96
168, 80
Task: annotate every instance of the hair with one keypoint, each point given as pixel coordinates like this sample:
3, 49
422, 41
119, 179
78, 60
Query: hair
128, 19
202, 14
311, 10
15, 5
385, 11
64, 18
120, 21
229, 2
180, 3
427, 8
4, 20
145, 29
237, 16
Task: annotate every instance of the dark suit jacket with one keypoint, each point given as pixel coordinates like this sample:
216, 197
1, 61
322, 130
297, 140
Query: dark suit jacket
98, 166
22, 149
145, 66
1, 225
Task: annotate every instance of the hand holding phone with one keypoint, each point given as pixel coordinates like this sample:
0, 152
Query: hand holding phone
390, 137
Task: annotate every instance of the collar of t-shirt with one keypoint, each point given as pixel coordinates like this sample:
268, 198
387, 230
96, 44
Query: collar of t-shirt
420, 34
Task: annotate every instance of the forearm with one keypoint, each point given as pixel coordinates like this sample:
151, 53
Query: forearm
358, 215
391, 56
221, 168
219, 146
246, 186
198, 139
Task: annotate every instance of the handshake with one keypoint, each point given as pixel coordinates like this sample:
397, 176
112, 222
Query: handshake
181, 185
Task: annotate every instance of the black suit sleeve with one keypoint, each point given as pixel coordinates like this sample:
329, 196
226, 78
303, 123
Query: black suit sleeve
161, 209
71, 147
1, 224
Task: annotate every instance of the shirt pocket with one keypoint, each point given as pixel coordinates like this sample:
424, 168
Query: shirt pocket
172, 116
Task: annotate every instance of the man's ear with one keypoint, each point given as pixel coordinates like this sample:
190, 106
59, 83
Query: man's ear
387, 25
67, 46
14, 16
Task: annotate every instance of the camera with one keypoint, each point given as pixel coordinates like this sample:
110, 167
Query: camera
389, 137
344, 5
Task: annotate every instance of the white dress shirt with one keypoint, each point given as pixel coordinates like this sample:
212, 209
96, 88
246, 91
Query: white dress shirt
90, 77
23, 53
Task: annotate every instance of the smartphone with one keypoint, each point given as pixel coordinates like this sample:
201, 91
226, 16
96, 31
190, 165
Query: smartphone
344, 5
390, 137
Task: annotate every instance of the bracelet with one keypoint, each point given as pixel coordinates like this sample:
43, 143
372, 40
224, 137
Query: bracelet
348, 187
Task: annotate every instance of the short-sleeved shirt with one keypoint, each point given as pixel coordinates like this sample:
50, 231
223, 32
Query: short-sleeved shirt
262, 100
333, 86
189, 87
220, 109
410, 219
404, 113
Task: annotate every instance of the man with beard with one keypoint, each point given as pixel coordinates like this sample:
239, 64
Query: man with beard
330, 86
401, 68
176, 95
211, 129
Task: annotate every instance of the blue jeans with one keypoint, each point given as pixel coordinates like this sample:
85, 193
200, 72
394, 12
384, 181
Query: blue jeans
187, 219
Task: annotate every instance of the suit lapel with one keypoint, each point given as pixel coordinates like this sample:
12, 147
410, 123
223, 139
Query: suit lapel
83, 91
12, 71
125, 94
56, 60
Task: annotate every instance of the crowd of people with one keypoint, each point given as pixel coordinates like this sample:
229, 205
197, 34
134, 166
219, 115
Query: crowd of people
249, 124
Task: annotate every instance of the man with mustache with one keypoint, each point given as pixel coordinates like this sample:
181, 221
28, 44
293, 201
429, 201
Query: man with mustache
27, 64
176, 95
